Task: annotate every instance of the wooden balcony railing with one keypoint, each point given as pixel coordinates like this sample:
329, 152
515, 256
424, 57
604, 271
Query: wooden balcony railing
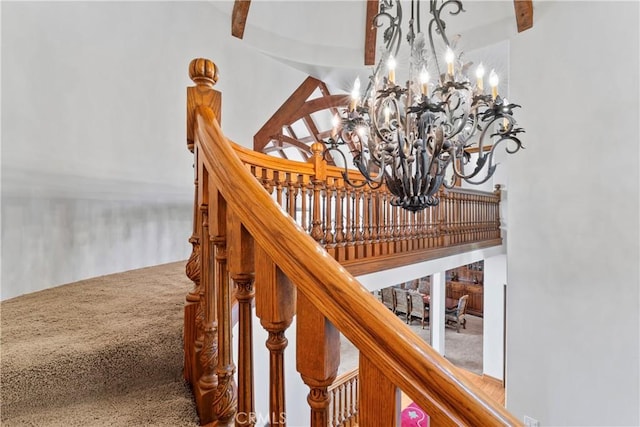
359, 227
280, 241
343, 400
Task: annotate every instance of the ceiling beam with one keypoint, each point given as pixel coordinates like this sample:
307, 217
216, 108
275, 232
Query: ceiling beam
370, 33
239, 17
524, 14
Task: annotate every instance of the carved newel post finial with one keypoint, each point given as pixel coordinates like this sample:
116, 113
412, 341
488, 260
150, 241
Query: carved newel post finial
204, 74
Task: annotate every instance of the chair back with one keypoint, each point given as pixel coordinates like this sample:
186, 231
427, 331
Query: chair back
462, 305
417, 303
402, 300
388, 298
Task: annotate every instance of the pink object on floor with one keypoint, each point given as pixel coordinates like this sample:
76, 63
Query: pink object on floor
414, 416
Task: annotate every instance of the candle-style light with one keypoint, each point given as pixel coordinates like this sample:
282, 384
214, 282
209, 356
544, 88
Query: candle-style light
424, 81
355, 94
391, 64
480, 78
493, 82
449, 58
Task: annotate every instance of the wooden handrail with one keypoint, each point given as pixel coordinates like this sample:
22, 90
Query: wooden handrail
407, 361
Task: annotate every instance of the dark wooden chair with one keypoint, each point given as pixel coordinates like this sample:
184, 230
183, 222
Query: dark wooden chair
402, 302
457, 316
417, 308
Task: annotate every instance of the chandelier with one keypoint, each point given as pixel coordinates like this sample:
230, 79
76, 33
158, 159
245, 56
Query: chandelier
419, 136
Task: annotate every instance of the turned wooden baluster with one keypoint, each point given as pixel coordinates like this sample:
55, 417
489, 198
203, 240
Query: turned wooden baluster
329, 195
224, 398
242, 271
379, 400
318, 181
192, 270
208, 356
275, 306
204, 74
317, 357
304, 214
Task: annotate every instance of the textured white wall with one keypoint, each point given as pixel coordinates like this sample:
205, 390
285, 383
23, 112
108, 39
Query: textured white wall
96, 177
573, 299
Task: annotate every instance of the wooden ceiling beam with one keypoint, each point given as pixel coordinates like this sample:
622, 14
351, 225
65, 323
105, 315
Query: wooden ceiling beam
524, 14
284, 114
370, 33
239, 17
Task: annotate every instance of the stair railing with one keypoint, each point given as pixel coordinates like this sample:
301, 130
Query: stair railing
242, 234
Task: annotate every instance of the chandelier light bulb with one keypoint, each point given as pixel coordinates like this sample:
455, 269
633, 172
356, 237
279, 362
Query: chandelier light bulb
355, 93
424, 81
493, 81
449, 57
391, 64
480, 77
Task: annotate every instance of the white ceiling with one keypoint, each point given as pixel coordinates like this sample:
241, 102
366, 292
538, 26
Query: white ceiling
325, 39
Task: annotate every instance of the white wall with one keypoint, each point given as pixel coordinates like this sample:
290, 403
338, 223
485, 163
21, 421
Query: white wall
96, 177
573, 299
495, 277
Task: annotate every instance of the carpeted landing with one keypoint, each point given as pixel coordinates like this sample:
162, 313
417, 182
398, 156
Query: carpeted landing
100, 352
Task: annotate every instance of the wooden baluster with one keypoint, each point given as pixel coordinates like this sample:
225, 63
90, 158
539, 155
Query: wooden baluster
317, 357
356, 400
310, 194
496, 209
275, 306
379, 399
224, 400
375, 217
348, 222
358, 224
292, 193
351, 223
277, 177
242, 271
328, 221
192, 270
208, 355
204, 74
389, 222
318, 181
382, 231
366, 220
303, 203
267, 180
340, 235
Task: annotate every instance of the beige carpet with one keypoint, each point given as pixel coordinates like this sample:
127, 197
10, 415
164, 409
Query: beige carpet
100, 352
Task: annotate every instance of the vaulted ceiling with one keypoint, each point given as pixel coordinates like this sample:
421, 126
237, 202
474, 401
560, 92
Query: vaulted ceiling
327, 38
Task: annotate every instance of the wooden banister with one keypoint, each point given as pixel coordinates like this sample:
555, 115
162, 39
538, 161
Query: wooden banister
288, 259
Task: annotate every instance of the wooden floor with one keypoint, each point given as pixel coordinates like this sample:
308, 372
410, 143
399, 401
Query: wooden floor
490, 386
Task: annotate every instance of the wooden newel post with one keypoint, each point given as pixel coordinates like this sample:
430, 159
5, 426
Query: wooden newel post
204, 73
317, 357
275, 306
